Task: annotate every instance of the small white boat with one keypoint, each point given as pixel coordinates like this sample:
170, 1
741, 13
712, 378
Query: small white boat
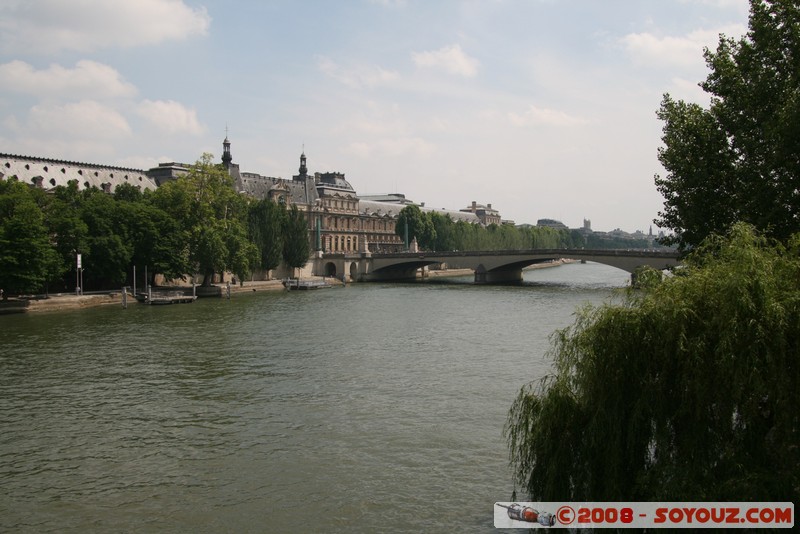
292, 284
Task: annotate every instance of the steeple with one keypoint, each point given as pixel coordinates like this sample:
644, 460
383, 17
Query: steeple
303, 168
227, 159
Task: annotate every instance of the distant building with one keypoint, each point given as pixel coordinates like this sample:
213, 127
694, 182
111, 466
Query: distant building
331, 206
486, 214
338, 219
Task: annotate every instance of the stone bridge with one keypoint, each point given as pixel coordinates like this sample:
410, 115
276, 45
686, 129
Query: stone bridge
490, 267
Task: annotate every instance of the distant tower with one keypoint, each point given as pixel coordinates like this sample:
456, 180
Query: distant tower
227, 159
303, 168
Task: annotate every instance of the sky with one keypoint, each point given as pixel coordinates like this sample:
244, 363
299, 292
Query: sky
541, 108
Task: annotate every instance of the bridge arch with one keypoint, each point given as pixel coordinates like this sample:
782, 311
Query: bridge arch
495, 266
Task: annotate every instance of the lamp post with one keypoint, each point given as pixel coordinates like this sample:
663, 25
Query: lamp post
78, 274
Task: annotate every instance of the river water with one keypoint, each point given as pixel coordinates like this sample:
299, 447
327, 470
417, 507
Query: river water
370, 408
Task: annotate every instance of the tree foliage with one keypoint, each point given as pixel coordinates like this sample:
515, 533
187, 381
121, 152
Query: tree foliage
213, 216
196, 223
27, 258
108, 251
296, 245
738, 160
419, 225
436, 231
265, 225
687, 391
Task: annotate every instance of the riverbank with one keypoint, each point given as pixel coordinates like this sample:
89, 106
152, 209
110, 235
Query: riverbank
69, 301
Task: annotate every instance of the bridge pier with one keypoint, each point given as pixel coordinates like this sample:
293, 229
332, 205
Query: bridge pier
510, 276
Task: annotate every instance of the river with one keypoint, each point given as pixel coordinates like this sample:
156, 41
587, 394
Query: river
368, 408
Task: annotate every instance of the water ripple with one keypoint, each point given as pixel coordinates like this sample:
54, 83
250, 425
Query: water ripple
378, 407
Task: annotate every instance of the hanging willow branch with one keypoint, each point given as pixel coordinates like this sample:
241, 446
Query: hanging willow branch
687, 391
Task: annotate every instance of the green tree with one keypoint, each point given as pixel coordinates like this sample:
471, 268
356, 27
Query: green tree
296, 245
265, 227
243, 255
686, 391
27, 259
443, 230
738, 160
419, 226
213, 217
68, 230
128, 193
157, 239
109, 252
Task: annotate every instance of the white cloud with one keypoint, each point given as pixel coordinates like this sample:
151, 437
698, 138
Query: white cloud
685, 51
356, 77
47, 26
170, 116
392, 147
84, 119
552, 117
390, 3
689, 91
88, 79
450, 58
741, 6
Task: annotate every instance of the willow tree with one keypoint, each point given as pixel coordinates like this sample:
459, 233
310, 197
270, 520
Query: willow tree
689, 390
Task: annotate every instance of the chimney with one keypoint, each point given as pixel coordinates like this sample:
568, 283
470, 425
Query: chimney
488, 206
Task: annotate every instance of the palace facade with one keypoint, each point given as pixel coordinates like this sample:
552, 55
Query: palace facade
339, 221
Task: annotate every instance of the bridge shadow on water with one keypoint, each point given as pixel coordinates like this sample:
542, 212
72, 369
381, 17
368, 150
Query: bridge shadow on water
524, 285
573, 277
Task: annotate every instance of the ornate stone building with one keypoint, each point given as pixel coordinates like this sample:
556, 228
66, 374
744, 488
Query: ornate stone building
339, 221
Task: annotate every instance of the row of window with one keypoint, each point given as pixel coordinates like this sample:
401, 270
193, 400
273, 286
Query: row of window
349, 223
64, 171
343, 243
52, 182
341, 204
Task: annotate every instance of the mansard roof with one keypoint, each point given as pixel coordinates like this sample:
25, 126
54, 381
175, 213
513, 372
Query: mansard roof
55, 172
258, 186
371, 207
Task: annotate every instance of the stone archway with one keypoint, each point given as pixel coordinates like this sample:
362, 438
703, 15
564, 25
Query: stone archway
330, 269
354, 271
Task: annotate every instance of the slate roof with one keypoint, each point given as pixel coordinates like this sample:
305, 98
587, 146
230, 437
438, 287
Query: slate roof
55, 172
